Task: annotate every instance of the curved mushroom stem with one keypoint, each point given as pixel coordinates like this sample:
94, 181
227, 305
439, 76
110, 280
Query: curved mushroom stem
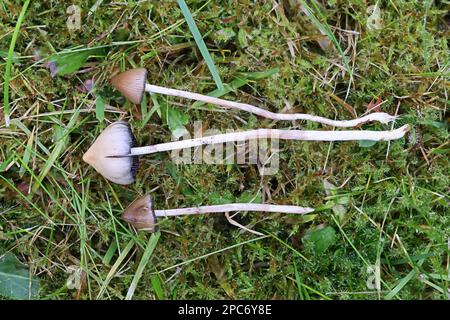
233, 207
376, 116
274, 134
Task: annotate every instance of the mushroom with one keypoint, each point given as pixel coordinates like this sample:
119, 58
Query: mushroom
106, 154
133, 84
142, 216
113, 154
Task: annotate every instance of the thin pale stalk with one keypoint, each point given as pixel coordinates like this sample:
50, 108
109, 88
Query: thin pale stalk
376, 116
305, 135
234, 207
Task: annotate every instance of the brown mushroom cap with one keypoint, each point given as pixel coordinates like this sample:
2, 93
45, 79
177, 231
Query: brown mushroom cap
141, 215
110, 154
131, 84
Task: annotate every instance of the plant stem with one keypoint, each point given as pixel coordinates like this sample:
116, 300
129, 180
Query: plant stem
234, 207
9, 62
306, 135
376, 116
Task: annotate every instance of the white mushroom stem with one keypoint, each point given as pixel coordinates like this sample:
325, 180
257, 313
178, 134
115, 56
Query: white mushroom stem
275, 134
233, 207
377, 116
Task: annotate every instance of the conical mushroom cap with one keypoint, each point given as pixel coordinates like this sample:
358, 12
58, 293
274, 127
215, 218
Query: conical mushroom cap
141, 215
110, 154
131, 84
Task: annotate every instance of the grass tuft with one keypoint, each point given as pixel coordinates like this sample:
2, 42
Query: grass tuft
9, 60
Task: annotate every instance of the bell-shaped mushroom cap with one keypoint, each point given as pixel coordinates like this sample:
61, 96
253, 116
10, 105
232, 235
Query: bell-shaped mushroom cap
110, 154
131, 84
141, 215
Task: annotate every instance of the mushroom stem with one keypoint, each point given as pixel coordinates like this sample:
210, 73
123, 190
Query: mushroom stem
233, 207
376, 116
142, 216
133, 84
274, 134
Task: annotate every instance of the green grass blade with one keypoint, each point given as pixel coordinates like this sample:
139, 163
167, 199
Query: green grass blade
404, 281
110, 253
244, 79
298, 282
100, 108
115, 268
9, 61
401, 284
156, 284
27, 153
200, 43
320, 294
144, 260
319, 20
289, 247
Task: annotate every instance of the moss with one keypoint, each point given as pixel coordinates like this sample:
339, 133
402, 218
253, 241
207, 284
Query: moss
397, 196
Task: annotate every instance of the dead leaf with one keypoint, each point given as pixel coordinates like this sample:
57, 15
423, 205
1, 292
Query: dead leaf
374, 106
